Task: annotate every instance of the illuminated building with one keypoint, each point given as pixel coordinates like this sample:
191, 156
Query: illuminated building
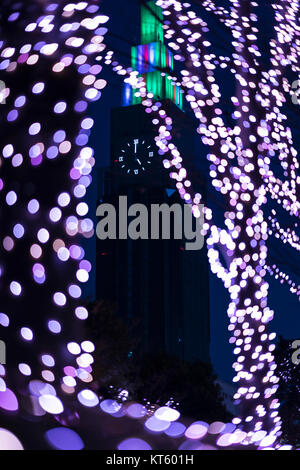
153, 60
152, 281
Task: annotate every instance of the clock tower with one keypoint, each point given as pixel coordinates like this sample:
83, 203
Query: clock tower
156, 283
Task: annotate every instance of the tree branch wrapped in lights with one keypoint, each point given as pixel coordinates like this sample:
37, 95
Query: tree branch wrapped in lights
241, 157
45, 170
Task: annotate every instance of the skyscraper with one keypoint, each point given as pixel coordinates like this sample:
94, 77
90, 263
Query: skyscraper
156, 282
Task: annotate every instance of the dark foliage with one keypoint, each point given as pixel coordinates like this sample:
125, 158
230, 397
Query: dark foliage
289, 392
157, 378
114, 345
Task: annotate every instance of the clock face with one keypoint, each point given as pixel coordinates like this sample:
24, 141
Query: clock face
136, 156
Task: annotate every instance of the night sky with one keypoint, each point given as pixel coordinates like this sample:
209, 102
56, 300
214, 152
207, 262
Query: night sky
124, 30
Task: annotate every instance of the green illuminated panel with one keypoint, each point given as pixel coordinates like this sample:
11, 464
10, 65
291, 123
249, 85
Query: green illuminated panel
135, 99
162, 88
155, 84
152, 23
148, 57
169, 89
152, 57
163, 56
180, 99
134, 58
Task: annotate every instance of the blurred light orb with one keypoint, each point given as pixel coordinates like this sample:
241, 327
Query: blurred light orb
12, 115
8, 401
24, 369
49, 49
65, 147
82, 275
38, 270
100, 84
216, 428
11, 198
8, 151
38, 388
51, 404
134, 444
81, 313
2, 385
74, 291
43, 235
258, 436
4, 320
31, 27
88, 398
229, 428
82, 209
88, 346
48, 375
55, 214
87, 123
8, 243
225, 440
64, 439
59, 136
36, 251
267, 441
26, 334
81, 106
84, 375
238, 436
197, 430
57, 244
17, 160
54, 326
69, 381
38, 88
15, 288
8, 441
82, 139
156, 425
20, 101
167, 414
85, 360
52, 152
110, 406
74, 348
176, 430
33, 206
64, 199
86, 265
48, 360
60, 299
18, 231
35, 128
60, 107
63, 254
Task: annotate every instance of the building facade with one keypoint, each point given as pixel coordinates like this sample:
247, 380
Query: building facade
158, 284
